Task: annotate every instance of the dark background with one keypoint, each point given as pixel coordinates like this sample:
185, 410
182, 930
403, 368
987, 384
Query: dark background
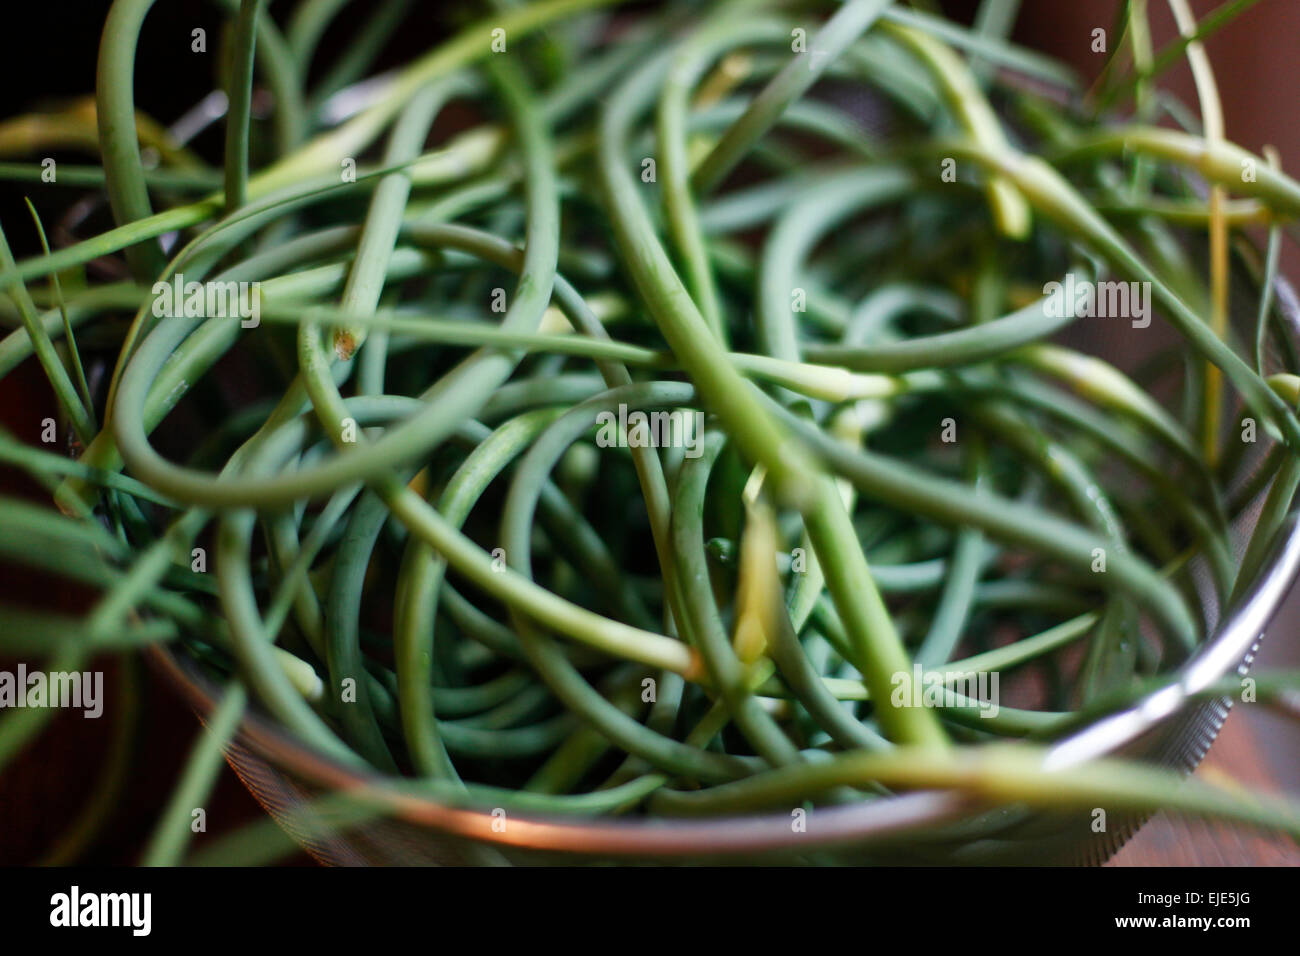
50, 57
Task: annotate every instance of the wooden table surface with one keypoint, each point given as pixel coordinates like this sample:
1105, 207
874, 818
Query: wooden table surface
1240, 756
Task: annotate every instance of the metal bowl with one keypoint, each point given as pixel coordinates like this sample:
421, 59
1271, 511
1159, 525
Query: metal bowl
1168, 728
